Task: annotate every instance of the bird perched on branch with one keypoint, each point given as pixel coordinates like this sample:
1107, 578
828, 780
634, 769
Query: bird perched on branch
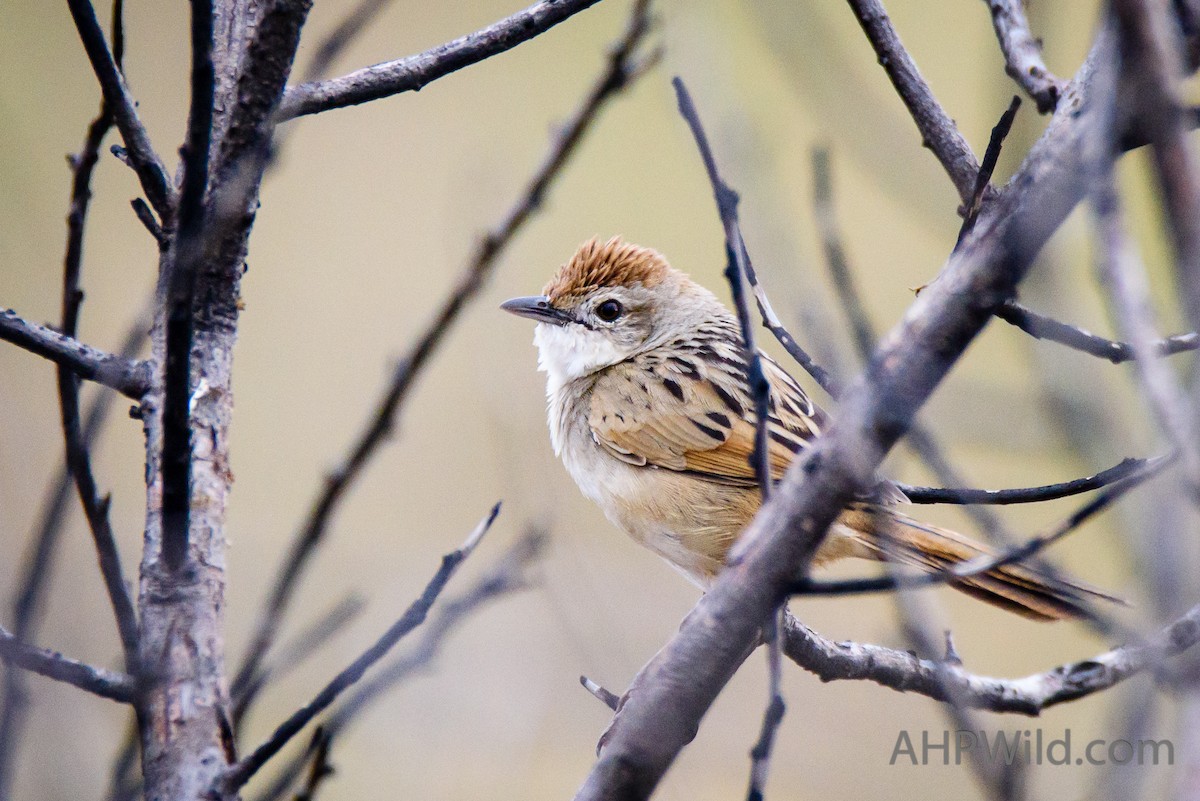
650, 411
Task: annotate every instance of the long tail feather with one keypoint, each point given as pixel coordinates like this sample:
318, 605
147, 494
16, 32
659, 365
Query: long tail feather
1015, 587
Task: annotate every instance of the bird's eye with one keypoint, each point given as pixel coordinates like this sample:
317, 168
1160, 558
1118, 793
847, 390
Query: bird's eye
609, 310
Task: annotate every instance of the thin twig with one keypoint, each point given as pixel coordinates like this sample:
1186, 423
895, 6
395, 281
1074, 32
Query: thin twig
78, 457
735, 271
919, 438
905, 672
1039, 326
294, 654
760, 754
986, 563
1023, 54
241, 772
35, 571
98, 681
604, 696
737, 267
990, 158
1125, 278
153, 176
128, 376
1047, 492
938, 131
620, 70
509, 575
415, 72
320, 768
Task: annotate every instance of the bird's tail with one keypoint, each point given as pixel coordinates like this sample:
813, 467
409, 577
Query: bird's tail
1015, 587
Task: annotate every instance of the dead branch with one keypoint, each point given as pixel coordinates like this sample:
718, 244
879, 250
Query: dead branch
662, 712
128, 376
52, 665
1030, 695
241, 772
415, 72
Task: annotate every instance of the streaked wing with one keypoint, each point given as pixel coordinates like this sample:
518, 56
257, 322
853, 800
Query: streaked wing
692, 412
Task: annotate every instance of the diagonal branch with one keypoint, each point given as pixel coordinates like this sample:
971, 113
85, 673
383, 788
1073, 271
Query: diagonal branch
128, 376
241, 772
938, 131
622, 68
104, 683
1023, 54
145, 161
671, 694
507, 576
415, 72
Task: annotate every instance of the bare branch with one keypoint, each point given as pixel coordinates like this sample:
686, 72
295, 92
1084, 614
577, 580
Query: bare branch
129, 377
415, 72
35, 571
737, 267
622, 68
295, 653
1039, 326
990, 157
1023, 54
938, 131
52, 665
507, 576
609, 699
241, 772
149, 168
986, 563
737, 261
1047, 492
681, 682
1030, 695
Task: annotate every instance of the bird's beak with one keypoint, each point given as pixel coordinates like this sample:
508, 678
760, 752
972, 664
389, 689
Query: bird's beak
537, 307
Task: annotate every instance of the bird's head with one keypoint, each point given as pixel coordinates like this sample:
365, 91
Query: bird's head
611, 301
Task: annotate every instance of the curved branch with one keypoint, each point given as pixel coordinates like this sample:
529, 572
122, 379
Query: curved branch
128, 376
413, 73
905, 672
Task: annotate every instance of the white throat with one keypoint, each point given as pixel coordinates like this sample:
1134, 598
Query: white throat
567, 353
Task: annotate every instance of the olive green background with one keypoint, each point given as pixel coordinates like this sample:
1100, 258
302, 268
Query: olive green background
364, 226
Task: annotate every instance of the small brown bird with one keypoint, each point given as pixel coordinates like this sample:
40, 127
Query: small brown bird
650, 410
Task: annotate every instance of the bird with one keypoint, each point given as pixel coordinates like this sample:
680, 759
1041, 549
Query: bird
650, 411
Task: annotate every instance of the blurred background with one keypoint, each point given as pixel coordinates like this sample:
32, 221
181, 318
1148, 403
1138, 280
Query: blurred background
366, 223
